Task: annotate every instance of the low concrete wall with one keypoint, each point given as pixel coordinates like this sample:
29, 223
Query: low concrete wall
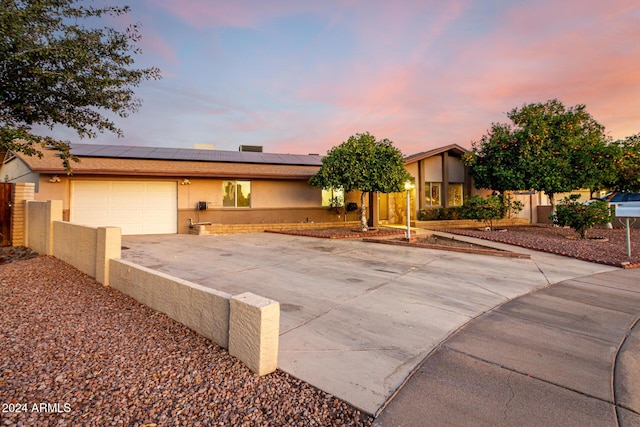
89, 249
469, 223
257, 228
204, 310
254, 327
248, 325
38, 233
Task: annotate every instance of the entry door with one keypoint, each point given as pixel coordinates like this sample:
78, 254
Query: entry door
137, 207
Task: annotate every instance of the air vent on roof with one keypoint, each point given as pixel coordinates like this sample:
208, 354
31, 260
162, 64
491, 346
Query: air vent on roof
251, 148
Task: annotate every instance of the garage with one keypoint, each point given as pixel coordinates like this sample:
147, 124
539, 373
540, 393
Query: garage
137, 207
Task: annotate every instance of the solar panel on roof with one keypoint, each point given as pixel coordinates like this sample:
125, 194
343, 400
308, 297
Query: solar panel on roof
164, 153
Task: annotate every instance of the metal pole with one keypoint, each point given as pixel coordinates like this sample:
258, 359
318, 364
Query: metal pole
408, 215
628, 239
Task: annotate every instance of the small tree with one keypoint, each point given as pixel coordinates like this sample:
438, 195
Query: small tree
580, 216
59, 67
362, 164
489, 209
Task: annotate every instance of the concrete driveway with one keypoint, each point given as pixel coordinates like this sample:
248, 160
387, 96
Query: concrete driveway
356, 318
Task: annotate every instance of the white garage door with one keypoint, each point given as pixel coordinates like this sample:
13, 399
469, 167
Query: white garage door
137, 207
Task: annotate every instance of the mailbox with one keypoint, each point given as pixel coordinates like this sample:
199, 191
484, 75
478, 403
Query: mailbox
628, 211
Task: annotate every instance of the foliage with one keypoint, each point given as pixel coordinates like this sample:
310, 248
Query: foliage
489, 209
435, 214
510, 207
547, 147
336, 202
59, 68
364, 164
628, 168
581, 216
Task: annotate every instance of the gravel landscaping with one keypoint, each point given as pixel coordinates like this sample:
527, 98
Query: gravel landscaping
74, 352
604, 246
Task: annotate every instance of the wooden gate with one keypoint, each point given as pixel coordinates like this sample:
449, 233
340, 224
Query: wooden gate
5, 213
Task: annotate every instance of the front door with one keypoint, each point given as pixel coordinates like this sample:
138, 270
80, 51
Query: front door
5, 213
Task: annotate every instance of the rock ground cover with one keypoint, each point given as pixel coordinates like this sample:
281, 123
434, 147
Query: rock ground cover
605, 246
74, 352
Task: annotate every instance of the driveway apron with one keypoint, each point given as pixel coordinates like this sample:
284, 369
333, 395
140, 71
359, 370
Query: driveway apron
356, 318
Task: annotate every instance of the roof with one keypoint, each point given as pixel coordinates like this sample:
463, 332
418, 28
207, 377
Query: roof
455, 148
161, 153
148, 161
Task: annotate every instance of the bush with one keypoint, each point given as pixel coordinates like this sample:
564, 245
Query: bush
490, 208
580, 216
437, 214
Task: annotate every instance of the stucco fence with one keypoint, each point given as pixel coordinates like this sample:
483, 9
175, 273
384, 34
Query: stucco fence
248, 325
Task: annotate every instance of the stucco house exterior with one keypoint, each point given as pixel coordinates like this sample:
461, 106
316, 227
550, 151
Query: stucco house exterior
147, 190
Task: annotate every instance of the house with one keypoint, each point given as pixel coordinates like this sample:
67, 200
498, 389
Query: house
146, 190
150, 190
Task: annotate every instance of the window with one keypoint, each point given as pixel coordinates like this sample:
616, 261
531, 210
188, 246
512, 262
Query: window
455, 194
432, 191
236, 194
333, 194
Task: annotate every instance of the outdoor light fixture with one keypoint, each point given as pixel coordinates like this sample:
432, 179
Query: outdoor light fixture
186, 182
408, 186
54, 179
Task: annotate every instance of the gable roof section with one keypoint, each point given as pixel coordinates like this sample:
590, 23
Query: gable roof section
455, 148
174, 162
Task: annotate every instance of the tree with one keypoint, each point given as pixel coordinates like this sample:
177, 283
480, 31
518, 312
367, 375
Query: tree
362, 164
548, 147
628, 167
56, 68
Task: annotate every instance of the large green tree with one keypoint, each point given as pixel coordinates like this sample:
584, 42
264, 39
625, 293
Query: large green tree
364, 164
628, 171
547, 147
59, 66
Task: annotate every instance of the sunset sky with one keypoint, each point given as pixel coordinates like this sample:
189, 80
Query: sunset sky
302, 76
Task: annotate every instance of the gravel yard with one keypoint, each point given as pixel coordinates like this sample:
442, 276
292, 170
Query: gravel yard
74, 352
604, 246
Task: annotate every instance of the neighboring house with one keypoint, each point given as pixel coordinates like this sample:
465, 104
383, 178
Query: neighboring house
147, 190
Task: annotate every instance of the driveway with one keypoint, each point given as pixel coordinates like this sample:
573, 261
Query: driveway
356, 318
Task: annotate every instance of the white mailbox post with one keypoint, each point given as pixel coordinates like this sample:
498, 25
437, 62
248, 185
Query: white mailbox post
627, 212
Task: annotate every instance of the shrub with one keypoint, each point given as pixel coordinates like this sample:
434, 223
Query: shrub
490, 208
436, 214
580, 216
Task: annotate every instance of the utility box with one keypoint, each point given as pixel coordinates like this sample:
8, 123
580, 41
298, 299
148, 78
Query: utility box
202, 206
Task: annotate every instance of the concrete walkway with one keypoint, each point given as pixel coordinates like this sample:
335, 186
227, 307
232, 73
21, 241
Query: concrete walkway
566, 355
356, 318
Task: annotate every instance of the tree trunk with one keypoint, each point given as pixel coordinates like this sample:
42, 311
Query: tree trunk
553, 206
363, 213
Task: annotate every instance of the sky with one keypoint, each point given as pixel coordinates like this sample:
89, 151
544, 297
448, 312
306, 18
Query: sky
302, 76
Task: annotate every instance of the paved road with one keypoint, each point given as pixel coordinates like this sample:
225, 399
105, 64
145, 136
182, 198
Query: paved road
356, 318
567, 355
